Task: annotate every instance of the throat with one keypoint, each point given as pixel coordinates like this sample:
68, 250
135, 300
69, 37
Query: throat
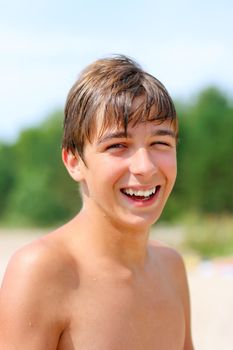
125, 247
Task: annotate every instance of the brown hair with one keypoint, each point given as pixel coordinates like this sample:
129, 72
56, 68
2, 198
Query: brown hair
105, 91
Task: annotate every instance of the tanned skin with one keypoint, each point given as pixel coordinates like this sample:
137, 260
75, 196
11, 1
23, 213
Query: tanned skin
98, 282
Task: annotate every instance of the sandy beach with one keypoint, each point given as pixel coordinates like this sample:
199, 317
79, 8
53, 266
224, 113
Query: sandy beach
211, 290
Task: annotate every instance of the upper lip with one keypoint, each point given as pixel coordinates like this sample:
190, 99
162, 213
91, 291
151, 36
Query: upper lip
139, 187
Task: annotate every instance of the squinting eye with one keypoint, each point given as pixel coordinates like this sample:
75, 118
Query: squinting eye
115, 145
161, 143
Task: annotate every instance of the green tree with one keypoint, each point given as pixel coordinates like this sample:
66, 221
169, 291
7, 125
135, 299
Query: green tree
7, 174
44, 194
206, 165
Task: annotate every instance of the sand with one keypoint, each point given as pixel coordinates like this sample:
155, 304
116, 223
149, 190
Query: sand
211, 290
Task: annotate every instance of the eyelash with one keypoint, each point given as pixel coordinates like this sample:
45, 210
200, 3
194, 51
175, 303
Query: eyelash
120, 145
161, 143
115, 145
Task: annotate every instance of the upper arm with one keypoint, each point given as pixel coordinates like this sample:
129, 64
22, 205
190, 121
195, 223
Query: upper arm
27, 307
181, 278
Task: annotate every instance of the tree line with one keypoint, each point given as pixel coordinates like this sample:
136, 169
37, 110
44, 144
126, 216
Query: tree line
35, 189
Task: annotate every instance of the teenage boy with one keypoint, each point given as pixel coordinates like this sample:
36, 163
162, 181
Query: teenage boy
98, 283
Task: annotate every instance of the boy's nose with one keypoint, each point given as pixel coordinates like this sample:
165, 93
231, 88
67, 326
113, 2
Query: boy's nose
142, 164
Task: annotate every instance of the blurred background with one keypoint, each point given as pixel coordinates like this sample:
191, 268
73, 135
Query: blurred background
188, 45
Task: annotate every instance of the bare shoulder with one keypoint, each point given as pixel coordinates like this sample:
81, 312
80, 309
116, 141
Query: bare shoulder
34, 295
38, 277
173, 266
28, 259
167, 256
42, 262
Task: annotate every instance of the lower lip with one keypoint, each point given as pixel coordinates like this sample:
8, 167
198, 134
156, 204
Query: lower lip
143, 202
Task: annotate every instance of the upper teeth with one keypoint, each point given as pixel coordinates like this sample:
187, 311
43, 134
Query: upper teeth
141, 193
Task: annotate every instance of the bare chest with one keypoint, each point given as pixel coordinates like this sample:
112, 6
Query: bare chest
118, 316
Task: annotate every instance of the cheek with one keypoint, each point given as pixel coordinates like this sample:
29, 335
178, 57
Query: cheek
112, 167
168, 165
105, 173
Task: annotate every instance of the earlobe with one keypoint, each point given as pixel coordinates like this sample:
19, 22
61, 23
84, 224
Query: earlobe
72, 163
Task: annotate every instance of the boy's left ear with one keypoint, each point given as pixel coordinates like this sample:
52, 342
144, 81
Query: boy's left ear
73, 164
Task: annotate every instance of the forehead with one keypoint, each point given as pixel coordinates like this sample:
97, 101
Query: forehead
125, 114
155, 127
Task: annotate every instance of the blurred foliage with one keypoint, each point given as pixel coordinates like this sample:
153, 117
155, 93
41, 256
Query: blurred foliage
36, 190
205, 161
41, 192
7, 174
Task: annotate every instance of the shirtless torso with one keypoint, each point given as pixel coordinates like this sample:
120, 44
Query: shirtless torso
59, 300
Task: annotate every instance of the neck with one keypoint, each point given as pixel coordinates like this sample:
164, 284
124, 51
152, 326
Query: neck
123, 245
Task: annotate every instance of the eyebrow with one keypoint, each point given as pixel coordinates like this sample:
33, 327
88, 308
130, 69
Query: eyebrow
114, 135
164, 132
123, 134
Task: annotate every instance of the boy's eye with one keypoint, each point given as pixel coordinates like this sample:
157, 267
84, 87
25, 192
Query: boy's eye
115, 145
161, 143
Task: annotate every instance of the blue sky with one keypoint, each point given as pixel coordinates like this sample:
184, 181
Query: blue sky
44, 44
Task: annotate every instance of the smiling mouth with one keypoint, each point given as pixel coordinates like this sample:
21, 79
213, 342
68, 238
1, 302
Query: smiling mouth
141, 195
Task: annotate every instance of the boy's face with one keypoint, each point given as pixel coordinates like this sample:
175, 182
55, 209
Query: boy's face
130, 178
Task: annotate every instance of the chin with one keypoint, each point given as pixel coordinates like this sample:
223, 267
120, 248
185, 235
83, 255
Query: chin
139, 222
